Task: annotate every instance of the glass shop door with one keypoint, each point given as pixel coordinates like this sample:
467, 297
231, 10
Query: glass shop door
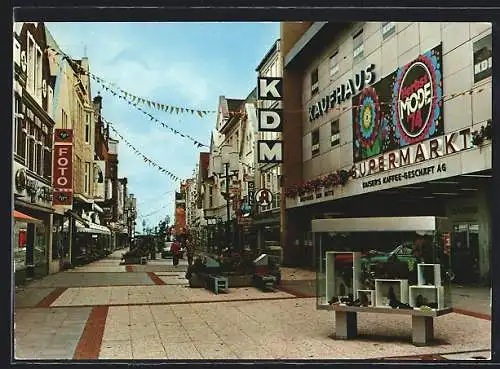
465, 253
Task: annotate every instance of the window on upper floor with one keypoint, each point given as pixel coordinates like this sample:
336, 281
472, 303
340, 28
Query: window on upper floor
388, 29
39, 154
19, 128
87, 128
86, 178
358, 45
50, 99
210, 197
314, 82
38, 74
64, 119
315, 142
334, 64
30, 82
335, 133
17, 52
47, 170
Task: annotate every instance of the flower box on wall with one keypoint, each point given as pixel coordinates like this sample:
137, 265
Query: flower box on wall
382, 287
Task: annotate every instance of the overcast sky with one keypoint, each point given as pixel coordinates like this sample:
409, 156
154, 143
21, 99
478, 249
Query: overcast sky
186, 64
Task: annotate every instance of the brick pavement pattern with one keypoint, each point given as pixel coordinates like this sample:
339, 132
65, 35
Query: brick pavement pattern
97, 313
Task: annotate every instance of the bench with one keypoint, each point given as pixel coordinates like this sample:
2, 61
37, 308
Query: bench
422, 321
216, 283
265, 282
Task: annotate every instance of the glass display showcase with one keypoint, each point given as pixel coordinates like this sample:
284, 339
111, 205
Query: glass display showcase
388, 265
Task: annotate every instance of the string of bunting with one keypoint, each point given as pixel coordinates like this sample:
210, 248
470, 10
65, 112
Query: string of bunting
167, 108
470, 91
153, 212
144, 157
130, 102
151, 117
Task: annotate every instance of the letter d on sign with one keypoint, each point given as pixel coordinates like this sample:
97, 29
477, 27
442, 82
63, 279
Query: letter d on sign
269, 88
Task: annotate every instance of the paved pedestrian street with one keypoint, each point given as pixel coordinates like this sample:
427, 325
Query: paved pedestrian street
100, 311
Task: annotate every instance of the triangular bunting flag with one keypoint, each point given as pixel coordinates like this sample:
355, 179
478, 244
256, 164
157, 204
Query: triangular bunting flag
200, 114
171, 109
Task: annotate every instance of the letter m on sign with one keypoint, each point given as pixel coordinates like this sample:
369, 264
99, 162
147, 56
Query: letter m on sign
269, 88
270, 151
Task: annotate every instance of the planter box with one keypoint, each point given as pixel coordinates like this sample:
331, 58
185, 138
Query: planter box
245, 280
197, 281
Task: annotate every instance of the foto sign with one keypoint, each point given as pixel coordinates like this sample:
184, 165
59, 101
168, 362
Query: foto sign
270, 120
63, 169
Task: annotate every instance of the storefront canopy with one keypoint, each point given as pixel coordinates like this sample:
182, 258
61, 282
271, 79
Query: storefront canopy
25, 218
92, 228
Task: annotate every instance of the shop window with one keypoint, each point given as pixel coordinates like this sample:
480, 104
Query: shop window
334, 64
315, 142
314, 82
19, 245
335, 133
358, 46
40, 247
388, 29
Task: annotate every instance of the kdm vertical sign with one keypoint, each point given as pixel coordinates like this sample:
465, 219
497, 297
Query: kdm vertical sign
270, 120
63, 169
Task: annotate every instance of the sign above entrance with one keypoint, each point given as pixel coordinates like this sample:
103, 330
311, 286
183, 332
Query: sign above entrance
63, 169
270, 120
263, 197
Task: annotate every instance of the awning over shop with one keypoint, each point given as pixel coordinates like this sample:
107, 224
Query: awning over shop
25, 218
91, 228
94, 228
77, 217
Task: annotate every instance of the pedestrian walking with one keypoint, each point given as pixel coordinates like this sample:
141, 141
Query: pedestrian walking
176, 249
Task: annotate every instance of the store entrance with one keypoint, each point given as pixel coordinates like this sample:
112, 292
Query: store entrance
465, 253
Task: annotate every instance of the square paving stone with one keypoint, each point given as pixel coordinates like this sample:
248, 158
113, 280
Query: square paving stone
182, 350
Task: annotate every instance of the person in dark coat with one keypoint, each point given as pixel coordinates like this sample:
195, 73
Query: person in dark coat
176, 249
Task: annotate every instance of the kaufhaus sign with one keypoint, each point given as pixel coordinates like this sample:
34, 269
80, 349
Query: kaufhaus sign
341, 93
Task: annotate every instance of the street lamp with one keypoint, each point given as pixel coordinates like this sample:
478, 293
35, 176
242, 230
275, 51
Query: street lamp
224, 163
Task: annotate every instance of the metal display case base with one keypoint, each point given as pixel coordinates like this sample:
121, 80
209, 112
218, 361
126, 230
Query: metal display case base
422, 321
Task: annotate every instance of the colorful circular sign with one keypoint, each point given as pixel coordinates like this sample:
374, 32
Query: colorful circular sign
417, 94
368, 121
